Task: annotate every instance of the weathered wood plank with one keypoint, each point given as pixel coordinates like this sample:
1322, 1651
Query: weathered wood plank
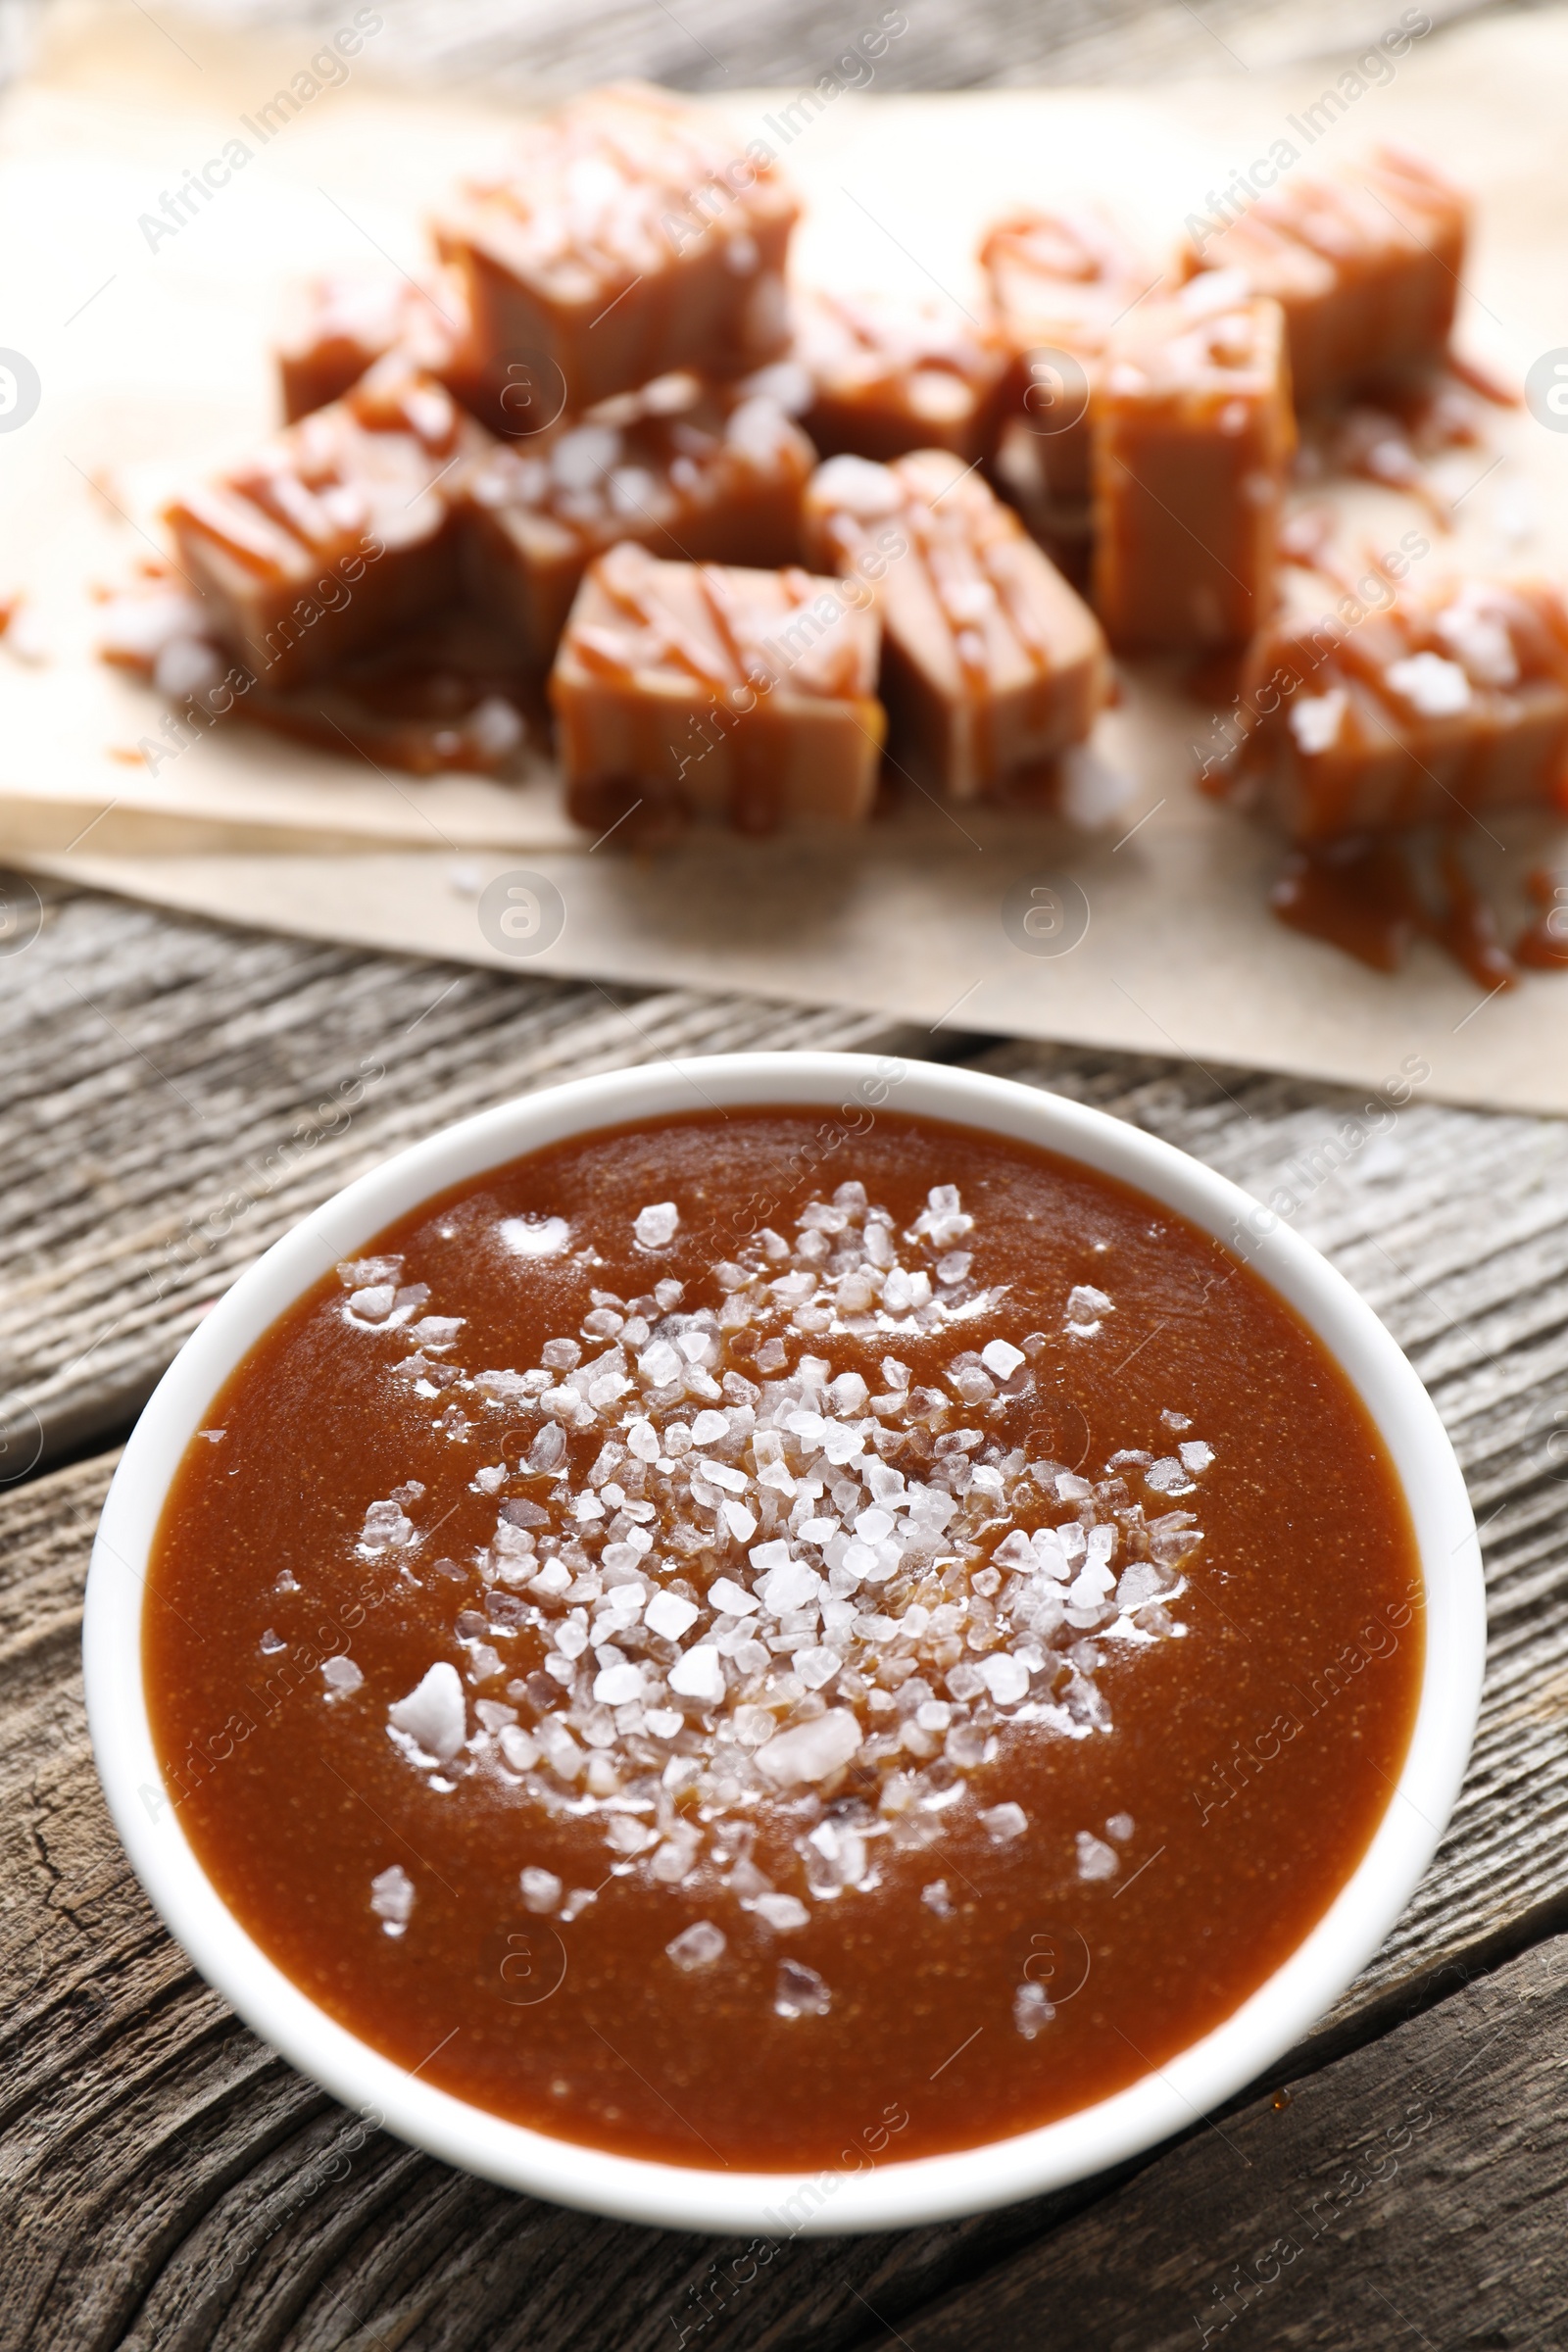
177, 1096
721, 45
1409, 2192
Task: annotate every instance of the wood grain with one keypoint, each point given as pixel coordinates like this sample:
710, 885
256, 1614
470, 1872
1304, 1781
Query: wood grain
719, 45
178, 1095
1400, 2196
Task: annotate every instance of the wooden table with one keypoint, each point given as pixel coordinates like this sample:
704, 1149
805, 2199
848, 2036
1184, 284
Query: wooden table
170, 1092
170, 1108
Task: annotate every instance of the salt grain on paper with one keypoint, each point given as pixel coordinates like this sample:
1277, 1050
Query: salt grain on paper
697, 1946
392, 1898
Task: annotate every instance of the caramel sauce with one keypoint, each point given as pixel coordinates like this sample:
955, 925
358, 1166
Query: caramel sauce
1357, 896
1363, 896
1243, 1769
1215, 677
1467, 928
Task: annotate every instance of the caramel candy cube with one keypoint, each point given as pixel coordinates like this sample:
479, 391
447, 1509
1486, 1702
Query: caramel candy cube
750, 694
1450, 704
337, 531
1194, 431
1060, 285
631, 237
991, 665
709, 474
1366, 269
340, 326
890, 377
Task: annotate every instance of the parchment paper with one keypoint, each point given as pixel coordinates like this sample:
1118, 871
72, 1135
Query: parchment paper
153, 359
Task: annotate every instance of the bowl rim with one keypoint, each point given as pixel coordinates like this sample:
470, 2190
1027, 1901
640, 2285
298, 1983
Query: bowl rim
884, 2193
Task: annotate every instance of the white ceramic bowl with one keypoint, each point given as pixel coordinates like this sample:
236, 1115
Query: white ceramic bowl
890, 2194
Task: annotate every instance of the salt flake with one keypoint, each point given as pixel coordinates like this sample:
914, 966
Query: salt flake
697, 1946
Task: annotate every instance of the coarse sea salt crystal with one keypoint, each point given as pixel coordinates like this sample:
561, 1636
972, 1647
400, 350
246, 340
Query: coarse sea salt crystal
800, 1992
1085, 1308
733, 1598
937, 1898
1168, 1476
387, 1528
811, 1752
619, 1685
699, 1675
1032, 2009
668, 1615
1437, 688
541, 1890
521, 1750
341, 1674
1315, 720
374, 1304
1120, 1826
1196, 1456
1005, 1678
1095, 1859
433, 1714
657, 1225
789, 1586
659, 1364
697, 1946
1004, 1822
536, 1237
392, 1898
1002, 1357
783, 1913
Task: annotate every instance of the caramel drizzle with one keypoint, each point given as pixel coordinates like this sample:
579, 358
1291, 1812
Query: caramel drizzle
955, 552
1363, 896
